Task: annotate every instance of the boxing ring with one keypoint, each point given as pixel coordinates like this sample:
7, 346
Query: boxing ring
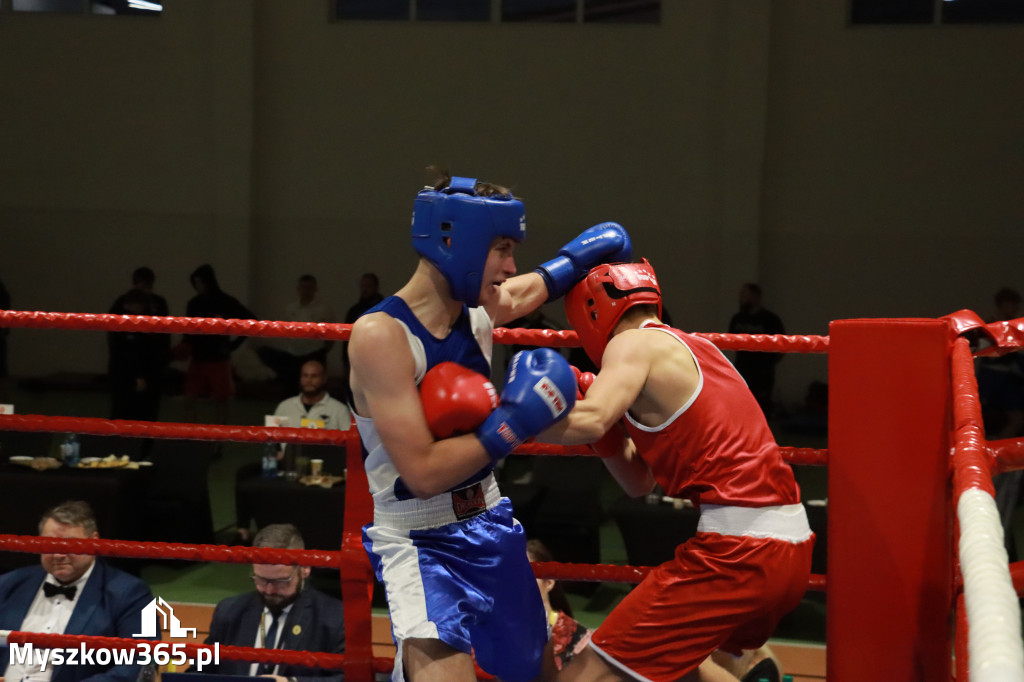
918, 587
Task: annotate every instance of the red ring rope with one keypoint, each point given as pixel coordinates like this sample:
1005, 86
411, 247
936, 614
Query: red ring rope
213, 432
172, 550
341, 332
351, 559
973, 468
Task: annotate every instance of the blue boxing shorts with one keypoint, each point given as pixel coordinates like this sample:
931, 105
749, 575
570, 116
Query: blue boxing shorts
467, 583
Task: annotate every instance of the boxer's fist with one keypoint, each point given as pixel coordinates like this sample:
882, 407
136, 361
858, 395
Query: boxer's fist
456, 399
603, 243
584, 380
539, 390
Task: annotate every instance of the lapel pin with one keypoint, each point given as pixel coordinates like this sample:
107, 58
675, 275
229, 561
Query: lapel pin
296, 629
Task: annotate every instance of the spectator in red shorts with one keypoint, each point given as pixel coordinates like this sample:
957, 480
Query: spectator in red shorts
209, 370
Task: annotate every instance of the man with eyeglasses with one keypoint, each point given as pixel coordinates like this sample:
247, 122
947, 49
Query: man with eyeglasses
283, 613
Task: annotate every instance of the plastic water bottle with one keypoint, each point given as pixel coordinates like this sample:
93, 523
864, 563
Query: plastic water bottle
69, 450
270, 460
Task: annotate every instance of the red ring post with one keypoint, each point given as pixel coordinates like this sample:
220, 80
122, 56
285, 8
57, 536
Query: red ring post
890, 525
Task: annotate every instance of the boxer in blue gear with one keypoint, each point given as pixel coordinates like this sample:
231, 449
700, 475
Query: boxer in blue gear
443, 541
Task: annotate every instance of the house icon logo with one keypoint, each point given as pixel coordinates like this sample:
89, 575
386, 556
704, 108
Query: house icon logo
170, 621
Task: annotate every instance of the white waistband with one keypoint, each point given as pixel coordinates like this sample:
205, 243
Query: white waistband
417, 514
785, 522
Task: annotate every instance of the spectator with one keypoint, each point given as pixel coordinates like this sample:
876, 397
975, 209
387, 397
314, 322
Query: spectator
369, 296
209, 371
136, 363
143, 279
312, 407
283, 613
756, 368
567, 636
1001, 390
72, 594
287, 360
5, 304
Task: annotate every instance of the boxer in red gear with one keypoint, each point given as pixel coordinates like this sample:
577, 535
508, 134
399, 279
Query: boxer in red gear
695, 429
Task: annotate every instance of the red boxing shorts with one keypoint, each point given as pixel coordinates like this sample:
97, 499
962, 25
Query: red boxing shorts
209, 379
720, 592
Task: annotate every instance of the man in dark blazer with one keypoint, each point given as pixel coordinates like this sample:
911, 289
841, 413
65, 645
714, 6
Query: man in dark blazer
71, 594
283, 613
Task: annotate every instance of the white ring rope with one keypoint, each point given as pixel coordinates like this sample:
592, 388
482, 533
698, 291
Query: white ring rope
993, 614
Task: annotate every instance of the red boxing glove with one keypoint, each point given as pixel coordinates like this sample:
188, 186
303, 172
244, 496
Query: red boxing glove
584, 380
456, 399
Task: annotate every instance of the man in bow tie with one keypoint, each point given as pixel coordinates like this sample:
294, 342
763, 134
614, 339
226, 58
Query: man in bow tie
73, 594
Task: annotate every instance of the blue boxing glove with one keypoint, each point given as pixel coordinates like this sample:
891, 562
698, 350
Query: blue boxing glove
540, 389
604, 243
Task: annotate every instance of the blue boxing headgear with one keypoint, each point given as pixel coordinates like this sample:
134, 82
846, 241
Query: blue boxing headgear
454, 228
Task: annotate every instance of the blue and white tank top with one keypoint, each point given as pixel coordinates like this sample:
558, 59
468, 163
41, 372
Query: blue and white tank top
469, 343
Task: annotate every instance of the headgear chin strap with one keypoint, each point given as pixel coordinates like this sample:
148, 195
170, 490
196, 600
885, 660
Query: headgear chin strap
595, 305
454, 229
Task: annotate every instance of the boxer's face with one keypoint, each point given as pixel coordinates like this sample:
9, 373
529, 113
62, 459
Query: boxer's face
500, 266
66, 568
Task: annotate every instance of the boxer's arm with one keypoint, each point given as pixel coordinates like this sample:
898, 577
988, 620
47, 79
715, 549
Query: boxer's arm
384, 388
631, 472
520, 295
624, 370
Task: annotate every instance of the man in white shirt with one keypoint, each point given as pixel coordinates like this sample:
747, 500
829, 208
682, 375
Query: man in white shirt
286, 356
73, 594
313, 407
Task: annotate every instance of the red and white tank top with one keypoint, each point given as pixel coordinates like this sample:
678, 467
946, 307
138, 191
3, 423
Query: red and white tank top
717, 448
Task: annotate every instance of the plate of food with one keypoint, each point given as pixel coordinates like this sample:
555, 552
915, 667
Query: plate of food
37, 463
108, 462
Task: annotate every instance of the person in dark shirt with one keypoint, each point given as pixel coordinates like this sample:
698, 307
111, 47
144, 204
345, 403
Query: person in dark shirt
1001, 391
283, 612
137, 361
209, 370
369, 296
5, 304
756, 368
143, 279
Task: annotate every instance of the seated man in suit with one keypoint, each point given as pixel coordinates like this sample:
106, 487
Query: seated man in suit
283, 613
72, 594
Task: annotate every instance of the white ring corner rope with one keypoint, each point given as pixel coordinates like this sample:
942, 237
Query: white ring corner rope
993, 613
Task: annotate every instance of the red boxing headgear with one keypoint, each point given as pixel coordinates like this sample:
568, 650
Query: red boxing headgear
595, 305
